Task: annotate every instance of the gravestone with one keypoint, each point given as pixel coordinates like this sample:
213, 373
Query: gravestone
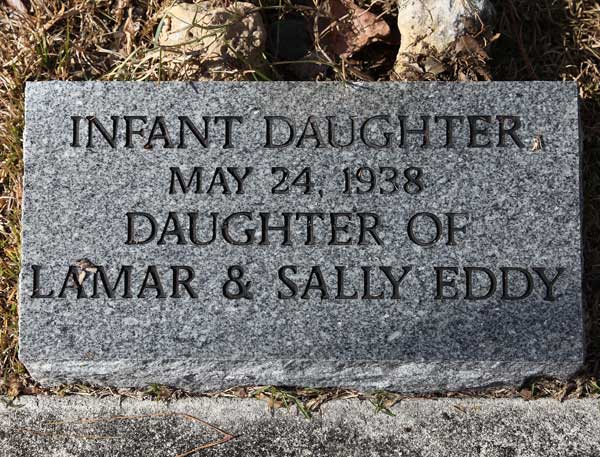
375, 235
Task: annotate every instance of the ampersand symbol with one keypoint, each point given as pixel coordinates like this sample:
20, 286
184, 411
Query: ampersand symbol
241, 289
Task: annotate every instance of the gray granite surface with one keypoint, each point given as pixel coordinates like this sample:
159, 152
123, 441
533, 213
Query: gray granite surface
515, 196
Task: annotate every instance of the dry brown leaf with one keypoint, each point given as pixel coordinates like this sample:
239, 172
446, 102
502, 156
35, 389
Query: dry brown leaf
15, 385
122, 5
129, 30
354, 28
470, 44
526, 394
18, 6
272, 403
432, 65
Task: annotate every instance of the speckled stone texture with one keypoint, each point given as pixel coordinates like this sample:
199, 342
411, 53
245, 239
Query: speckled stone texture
75, 426
522, 208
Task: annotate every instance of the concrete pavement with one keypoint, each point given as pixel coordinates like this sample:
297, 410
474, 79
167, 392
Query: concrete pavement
82, 426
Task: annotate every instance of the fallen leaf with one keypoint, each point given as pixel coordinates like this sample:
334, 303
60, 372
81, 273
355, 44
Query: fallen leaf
353, 28
538, 143
526, 394
17, 5
15, 385
434, 66
120, 8
130, 30
470, 44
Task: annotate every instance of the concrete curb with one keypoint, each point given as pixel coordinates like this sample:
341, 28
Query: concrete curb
92, 427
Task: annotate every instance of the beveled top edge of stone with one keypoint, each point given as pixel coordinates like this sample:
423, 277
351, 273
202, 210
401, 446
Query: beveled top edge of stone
344, 83
32, 86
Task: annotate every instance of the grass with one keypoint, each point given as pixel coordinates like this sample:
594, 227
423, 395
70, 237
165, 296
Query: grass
116, 40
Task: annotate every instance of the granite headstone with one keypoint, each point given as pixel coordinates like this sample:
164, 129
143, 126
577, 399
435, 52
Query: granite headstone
407, 236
